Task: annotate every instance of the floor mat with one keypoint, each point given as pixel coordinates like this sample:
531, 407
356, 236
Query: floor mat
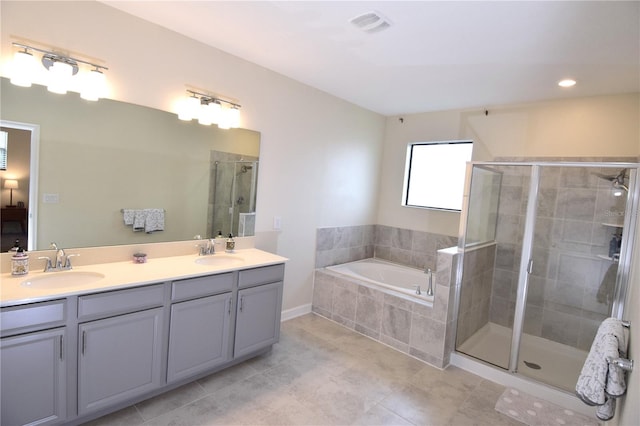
538, 412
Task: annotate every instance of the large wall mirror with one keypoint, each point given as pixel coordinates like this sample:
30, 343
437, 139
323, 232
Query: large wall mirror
100, 159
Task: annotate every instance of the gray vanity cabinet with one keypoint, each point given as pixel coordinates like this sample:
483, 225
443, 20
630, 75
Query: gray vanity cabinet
119, 357
33, 363
33, 378
258, 309
198, 336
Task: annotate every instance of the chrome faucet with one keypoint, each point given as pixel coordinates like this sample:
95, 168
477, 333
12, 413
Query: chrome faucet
208, 248
60, 257
62, 260
430, 286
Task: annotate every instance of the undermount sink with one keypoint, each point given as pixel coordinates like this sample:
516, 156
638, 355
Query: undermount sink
53, 280
219, 260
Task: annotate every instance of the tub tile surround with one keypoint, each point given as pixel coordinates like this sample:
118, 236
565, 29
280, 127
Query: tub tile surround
424, 332
336, 245
476, 290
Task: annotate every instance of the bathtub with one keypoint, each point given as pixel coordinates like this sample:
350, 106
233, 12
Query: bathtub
388, 277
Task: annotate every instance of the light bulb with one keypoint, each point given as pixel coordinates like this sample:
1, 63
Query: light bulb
59, 74
225, 119
24, 65
568, 82
94, 85
215, 110
188, 109
234, 117
204, 115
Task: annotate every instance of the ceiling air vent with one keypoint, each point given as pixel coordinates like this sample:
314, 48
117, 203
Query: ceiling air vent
370, 22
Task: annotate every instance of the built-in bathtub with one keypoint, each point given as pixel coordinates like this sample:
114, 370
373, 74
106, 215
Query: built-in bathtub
390, 278
378, 299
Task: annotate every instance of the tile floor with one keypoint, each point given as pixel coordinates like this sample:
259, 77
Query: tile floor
324, 374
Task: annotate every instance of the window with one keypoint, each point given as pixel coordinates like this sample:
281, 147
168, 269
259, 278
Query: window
3, 150
434, 174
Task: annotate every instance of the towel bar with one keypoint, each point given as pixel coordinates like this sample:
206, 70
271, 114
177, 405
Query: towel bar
122, 210
625, 364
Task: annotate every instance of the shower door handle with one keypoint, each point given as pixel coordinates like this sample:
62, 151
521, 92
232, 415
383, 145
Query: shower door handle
530, 267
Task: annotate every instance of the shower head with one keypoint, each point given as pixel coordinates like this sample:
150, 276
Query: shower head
617, 181
245, 169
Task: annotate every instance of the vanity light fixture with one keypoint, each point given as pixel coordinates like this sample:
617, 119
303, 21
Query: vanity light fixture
61, 72
208, 110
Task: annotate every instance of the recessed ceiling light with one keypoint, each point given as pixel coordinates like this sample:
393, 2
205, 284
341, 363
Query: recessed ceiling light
567, 83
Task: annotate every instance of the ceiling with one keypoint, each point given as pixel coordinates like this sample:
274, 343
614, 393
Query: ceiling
434, 56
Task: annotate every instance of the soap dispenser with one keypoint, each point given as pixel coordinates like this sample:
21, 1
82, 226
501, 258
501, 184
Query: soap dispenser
231, 244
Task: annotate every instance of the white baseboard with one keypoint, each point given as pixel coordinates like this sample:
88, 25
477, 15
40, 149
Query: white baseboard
296, 312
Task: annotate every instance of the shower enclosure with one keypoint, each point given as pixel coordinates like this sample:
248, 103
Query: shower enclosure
233, 198
545, 258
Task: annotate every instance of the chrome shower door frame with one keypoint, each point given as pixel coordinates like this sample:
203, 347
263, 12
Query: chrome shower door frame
526, 259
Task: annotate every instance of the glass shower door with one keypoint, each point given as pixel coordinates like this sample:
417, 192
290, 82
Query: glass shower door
572, 278
492, 247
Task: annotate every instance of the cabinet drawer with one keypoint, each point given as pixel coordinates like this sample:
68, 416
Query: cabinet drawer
120, 301
263, 275
24, 318
202, 286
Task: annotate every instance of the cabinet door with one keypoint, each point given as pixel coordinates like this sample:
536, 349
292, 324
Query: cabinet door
198, 335
119, 358
258, 318
33, 381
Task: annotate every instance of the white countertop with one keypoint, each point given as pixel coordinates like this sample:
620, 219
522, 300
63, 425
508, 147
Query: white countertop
119, 275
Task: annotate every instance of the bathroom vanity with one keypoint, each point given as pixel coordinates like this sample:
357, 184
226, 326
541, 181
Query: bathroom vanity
128, 332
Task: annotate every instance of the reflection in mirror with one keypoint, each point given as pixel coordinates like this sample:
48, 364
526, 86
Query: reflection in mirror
98, 159
233, 195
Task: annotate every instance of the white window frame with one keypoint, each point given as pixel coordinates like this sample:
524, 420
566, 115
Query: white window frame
438, 182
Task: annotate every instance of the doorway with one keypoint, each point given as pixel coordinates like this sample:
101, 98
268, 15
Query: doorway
19, 195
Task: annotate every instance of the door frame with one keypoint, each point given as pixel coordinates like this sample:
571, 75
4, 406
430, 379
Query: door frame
34, 159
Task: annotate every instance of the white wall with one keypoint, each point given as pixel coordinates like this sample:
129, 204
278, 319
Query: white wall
603, 126
319, 156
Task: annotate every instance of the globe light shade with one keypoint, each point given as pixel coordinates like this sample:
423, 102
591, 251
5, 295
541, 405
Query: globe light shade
59, 77
24, 66
94, 85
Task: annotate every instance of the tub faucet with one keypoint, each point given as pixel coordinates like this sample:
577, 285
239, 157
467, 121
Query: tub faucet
430, 286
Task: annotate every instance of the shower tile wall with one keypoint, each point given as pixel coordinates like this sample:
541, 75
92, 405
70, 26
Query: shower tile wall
475, 293
418, 249
572, 283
